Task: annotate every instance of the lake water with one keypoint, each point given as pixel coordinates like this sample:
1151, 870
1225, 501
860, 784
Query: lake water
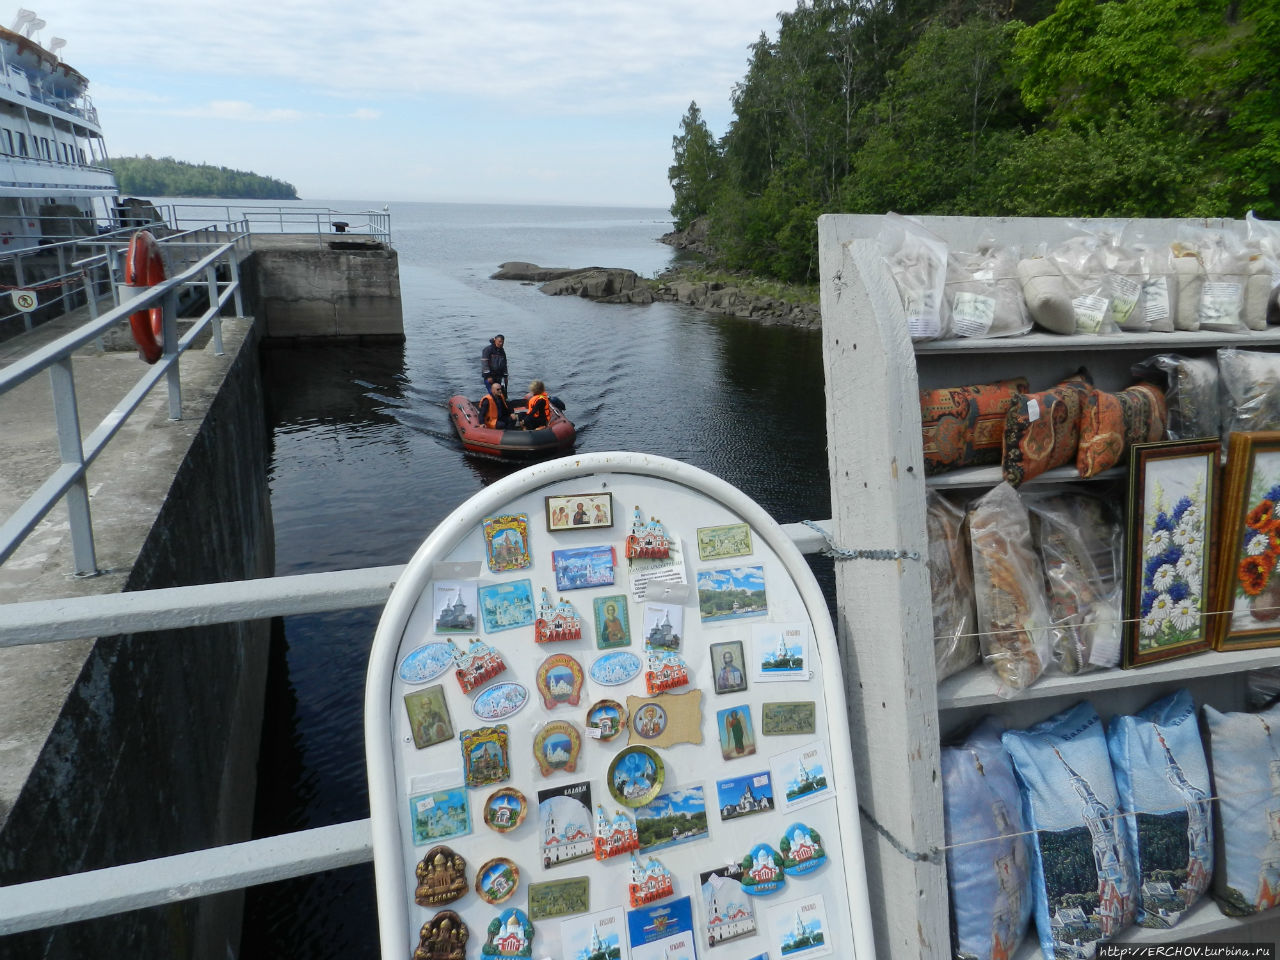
365, 463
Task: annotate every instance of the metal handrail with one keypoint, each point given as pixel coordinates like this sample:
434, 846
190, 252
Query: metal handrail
318, 220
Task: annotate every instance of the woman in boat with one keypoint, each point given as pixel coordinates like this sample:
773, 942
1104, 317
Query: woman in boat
539, 406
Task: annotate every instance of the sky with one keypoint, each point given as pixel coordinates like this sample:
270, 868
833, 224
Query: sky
555, 101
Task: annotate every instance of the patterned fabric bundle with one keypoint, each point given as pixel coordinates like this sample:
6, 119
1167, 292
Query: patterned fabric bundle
1112, 422
964, 426
1042, 430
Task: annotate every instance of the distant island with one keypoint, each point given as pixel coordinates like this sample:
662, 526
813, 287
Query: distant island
167, 177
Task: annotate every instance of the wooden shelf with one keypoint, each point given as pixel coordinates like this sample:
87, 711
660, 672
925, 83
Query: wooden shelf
1038, 342
989, 476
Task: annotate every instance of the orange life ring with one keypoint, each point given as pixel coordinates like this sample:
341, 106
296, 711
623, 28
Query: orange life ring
144, 267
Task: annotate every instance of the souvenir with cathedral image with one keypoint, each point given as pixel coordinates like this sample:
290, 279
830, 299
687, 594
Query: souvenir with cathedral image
648, 539
556, 622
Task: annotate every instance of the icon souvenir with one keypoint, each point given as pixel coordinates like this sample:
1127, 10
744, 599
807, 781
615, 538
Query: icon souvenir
578, 568
799, 928
721, 543
442, 878
664, 670
801, 776
635, 776
801, 849
762, 872
731, 594
559, 680
614, 669
650, 722
478, 665
456, 606
497, 880
781, 652
505, 606
505, 809
737, 739
506, 541
556, 622
510, 936
579, 511
783, 719
485, 755
556, 747
648, 539
615, 835
499, 701
606, 718
564, 814
650, 881
672, 818
427, 662
601, 936
663, 625
613, 626
729, 912
729, 663
559, 898
443, 937
428, 716
666, 719
439, 815
745, 795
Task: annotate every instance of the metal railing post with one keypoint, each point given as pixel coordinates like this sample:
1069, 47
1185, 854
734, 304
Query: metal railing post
172, 375
237, 296
211, 278
71, 453
21, 282
91, 300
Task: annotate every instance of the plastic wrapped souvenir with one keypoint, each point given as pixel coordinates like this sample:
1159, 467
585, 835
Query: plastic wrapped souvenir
955, 643
917, 260
983, 297
1250, 390
1190, 392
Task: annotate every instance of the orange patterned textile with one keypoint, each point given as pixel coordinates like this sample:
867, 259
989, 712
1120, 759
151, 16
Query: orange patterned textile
1042, 430
1112, 422
964, 426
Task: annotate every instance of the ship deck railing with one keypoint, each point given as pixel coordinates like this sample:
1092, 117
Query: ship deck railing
39, 904
265, 218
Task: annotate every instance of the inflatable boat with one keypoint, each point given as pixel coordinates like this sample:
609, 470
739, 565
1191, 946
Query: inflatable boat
557, 436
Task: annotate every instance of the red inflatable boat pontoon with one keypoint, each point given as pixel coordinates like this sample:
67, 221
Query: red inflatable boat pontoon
558, 435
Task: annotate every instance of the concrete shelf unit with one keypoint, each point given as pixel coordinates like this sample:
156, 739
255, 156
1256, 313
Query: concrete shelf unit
898, 713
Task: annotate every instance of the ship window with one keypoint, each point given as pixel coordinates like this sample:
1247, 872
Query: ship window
44, 148
22, 145
6, 140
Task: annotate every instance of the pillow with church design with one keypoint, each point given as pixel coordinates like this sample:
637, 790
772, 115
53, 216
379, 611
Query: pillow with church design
1042, 430
964, 426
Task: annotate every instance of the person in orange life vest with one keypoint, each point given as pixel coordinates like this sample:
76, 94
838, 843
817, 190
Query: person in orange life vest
495, 411
539, 406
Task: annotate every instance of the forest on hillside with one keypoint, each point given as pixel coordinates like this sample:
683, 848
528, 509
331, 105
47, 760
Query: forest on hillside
1056, 108
148, 176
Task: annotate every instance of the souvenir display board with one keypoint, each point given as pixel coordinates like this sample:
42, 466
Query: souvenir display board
605, 720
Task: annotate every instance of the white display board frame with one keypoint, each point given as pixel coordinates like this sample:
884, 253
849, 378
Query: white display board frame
683, 497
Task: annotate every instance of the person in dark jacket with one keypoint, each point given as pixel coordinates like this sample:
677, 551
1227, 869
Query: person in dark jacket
539, 406
493, 363
495, 411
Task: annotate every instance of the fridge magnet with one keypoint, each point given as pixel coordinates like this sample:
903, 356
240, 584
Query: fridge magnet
723, 542
736, 736
1249, 590
480, 664
731, 593
801, 849
1173, 498
801, 775
786, 718
427, 662
615, 835
499, 700
556, 622
648, 539
443, 937
663, 625
762, 872
506, 542
678, 946
428, 716
600, 936
505, 810
799, 928
559, 680
745, 795
556, 747
781, 652
442, 878
665, 720
658, 579
484, 755
730, 914
579, 511
650, 925
559, 898
672, 818
613, 627
564, 815
456, 605
579, 568
614, 669
510, 936
664, 670
635, 776
650, 881
506, 606
730, 666
605, 720
497, 880
439, 815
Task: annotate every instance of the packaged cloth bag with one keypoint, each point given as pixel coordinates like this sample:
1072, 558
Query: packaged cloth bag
964, 426
1082, 876
955, 640
1042, 430
1110, 423
1165, 792
983, 296
1190, 393
1244, 750
990, 882
1250, 390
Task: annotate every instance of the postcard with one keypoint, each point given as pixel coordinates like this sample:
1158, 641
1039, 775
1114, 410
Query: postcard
558, 898
742, 796
659, 579
731, 593
786, 718
721, 543
579, 568
506, 541
737, 739
663, 625
566, 820
505, 606
599, 936
579, 511
799, 928
781, 652
455, 606
730, 665
439, 815
672, 818
656, 922
729, 912
802, 776
429, 719
678, 946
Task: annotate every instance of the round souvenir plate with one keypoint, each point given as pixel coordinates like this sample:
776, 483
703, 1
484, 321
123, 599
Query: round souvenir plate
608, 717
497, 880
615, 668
635, 776
505, 809
427, 662
500, 700
801, 849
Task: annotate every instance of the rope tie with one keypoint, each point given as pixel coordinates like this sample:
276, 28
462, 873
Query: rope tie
837, 552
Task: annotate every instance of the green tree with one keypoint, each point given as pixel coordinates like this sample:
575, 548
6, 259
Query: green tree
696, 169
